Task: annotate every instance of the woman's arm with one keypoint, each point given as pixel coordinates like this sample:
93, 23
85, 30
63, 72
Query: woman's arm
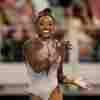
60, 74
67, 45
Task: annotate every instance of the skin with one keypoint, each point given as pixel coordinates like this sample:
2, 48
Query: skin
46, 26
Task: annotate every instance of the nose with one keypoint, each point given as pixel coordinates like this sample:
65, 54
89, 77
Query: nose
46, 27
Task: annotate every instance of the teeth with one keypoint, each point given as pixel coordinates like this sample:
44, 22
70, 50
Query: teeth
45, 31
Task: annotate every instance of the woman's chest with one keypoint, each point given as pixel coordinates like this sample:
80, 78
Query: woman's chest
48, 51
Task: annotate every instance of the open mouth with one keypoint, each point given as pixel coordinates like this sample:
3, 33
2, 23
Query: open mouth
45, 31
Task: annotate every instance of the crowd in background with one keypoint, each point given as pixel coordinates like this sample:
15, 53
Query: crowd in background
16, 26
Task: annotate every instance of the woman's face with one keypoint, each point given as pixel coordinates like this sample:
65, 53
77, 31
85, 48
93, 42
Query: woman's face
46, 26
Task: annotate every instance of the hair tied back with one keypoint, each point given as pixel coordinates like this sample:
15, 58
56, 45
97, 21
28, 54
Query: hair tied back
45, 12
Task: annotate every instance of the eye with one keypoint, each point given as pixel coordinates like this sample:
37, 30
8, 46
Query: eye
41, 24
50, 24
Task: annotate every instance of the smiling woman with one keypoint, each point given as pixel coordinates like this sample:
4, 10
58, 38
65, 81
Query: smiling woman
46, 26
44, 57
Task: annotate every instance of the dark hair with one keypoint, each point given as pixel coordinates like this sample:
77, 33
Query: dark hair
45, 12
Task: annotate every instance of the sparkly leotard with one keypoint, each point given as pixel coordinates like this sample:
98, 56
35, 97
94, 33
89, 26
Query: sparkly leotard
43, 60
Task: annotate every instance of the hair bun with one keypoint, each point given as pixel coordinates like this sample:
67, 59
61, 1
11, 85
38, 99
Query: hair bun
46, 11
